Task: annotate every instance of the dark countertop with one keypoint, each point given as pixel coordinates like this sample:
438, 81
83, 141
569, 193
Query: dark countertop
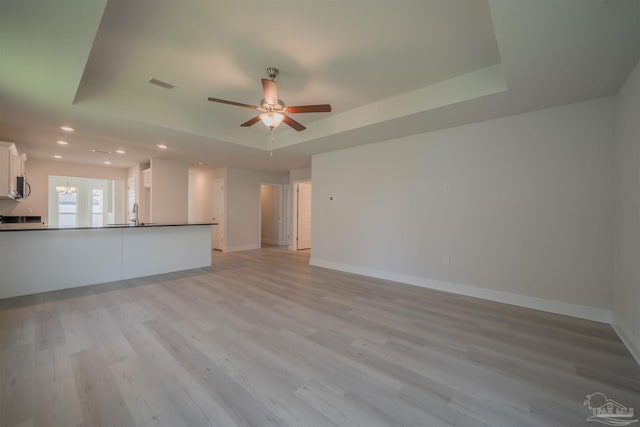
38, 226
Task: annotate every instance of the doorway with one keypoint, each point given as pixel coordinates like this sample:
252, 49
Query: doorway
302, 209
271, 218
217, 209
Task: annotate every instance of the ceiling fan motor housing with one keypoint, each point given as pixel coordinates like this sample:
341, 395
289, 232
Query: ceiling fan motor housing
272, 72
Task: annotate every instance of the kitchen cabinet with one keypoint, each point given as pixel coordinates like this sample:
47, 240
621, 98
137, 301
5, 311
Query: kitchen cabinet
11, 166
146, 178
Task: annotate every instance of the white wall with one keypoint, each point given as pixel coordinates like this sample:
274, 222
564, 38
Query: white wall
299, 175
243, 206
521, 206
626, 284
38, 172
169, 191
199, 184
201, 192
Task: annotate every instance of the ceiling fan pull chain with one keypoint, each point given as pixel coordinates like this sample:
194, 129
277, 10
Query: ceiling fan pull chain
273, 138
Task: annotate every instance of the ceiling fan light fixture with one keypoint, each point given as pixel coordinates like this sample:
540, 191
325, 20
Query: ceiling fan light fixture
271, 119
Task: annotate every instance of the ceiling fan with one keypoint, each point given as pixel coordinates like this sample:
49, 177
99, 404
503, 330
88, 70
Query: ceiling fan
272, 109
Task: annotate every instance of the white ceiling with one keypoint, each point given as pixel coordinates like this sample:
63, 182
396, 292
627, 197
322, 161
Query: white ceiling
388, 68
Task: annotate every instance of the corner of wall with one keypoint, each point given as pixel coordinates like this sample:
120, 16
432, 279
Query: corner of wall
628, 339
626, 281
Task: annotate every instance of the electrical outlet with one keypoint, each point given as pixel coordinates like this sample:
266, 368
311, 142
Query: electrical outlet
445, 260
425, 188
446, 188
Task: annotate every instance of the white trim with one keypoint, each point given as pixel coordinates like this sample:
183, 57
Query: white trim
284, 206
627, 338
241, 247
558, 307
293, 232
223, 229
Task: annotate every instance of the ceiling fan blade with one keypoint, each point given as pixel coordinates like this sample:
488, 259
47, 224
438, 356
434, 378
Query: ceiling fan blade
270, 89
297, 126
239, 104
251, 122
322, 108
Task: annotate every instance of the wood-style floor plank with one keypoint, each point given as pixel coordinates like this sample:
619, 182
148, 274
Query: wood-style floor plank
263, 339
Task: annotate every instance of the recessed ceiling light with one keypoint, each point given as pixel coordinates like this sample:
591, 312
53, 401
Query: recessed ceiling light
62, 142
162, 146
120, 151
67, 128
107, 162
57, 156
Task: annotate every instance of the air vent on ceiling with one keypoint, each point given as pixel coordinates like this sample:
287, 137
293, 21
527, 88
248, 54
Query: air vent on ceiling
95, 150
161, 83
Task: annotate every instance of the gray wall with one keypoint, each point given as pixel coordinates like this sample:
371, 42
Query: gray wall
521, 207
243, 206
626, 288
169, 191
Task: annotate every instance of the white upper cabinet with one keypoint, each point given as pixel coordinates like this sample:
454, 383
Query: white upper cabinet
11, 166
146, 178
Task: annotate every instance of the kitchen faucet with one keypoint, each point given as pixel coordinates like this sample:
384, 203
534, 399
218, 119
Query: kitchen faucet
136, 219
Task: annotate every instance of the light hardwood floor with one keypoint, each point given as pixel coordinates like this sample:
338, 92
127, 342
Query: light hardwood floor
263, 339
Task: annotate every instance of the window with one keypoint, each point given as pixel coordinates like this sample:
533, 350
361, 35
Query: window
97, 207
67, 209
85, 202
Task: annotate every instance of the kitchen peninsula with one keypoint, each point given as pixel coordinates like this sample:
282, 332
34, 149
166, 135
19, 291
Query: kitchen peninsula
35, 258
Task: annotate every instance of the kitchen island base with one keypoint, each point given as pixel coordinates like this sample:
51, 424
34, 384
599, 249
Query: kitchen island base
33, 261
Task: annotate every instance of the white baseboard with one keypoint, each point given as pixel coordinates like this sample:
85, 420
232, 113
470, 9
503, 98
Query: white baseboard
271, 242
543, 304
627, 338
242, 247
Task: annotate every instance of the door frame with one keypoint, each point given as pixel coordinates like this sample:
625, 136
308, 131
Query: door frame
293, 240
222, 229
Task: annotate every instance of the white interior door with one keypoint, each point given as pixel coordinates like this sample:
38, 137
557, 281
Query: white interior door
304, 215
217, 231
284, 238
271, 214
